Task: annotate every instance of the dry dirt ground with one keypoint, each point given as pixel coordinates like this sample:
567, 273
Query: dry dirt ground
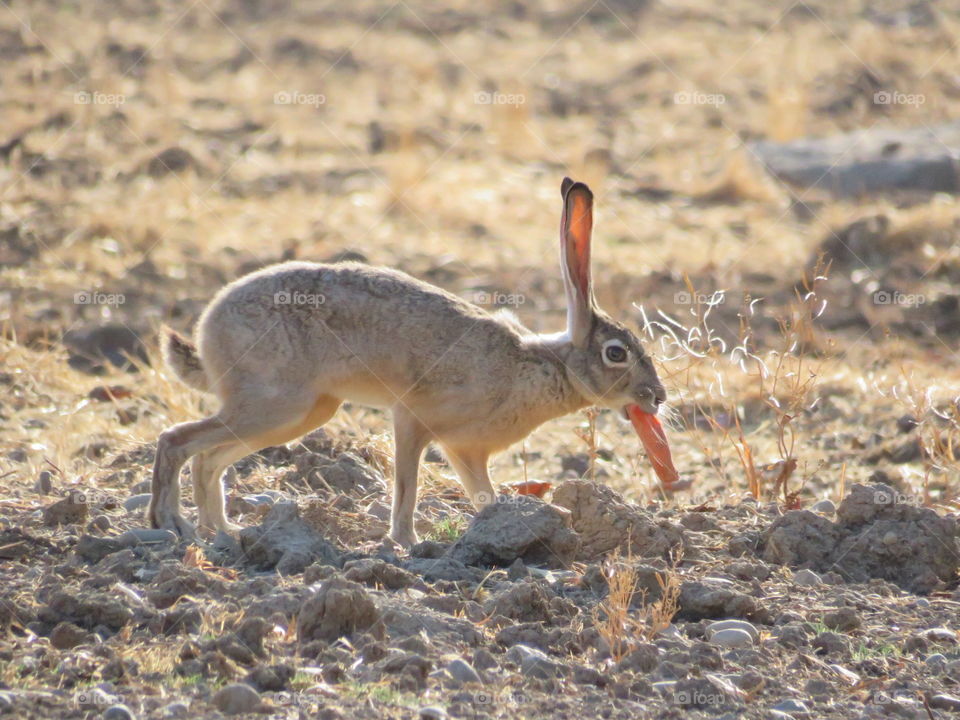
150, 152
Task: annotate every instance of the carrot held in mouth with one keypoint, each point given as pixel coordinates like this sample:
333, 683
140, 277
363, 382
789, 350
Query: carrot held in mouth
655, 443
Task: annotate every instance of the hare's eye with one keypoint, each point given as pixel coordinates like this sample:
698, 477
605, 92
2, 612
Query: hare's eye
614, 353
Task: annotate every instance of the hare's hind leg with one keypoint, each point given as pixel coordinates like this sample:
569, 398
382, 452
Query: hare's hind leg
206, 471
410, 438
208, 466
471, 466
252, 421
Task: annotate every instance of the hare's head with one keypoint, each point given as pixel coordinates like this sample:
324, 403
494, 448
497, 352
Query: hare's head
606, 362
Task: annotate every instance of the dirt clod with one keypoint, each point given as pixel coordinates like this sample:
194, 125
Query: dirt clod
605, 522
878, 534
339, 607
285, 542
518, 526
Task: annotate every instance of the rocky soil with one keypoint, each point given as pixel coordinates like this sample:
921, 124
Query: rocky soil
586, 606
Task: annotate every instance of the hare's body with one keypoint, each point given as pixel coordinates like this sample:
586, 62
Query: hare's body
295, 326
283, 347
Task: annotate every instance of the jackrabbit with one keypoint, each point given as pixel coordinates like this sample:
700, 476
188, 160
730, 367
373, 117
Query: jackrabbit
283, 347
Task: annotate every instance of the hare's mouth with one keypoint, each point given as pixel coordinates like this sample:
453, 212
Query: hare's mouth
647, 404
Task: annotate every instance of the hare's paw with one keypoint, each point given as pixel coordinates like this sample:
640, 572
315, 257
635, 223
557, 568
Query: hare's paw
404, 537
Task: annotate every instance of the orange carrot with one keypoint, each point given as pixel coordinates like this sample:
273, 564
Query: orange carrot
530, 487
654, 441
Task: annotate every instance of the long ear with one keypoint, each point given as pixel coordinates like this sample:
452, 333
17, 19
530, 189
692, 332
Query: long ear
576, 226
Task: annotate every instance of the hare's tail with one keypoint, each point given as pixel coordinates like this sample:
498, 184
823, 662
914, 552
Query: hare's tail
181, 356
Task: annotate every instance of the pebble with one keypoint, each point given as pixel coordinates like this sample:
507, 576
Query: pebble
842, 619
463, 672
101, 522
432, 712
44, 484
118, 712
732, 638
176, 710
791, 707
824, 507
940, 634
144, 486
533, 662
743, 625
260, 499
6, 702
943, 701
807, 578
137, 502
236, 698
138, 536
936, 659
923, 602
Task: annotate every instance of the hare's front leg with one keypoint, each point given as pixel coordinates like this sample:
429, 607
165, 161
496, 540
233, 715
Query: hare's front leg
471, 466
410, 438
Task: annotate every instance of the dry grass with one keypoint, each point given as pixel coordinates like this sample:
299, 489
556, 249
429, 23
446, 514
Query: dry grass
467, 192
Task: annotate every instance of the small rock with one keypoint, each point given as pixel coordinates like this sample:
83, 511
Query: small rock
432, 712
137, 502
517, 571
732, 638
943, 701
936, 660
939, 635
176, 710
66, 635
236, 699
807, 578
142, 536
72, 509
842, 619
831, 643
101, 523
44, 484
118, 712
791, 707
824, 507
534, 662
743, 625
463, 672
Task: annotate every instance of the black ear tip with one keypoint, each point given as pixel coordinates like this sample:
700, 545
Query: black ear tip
568, 186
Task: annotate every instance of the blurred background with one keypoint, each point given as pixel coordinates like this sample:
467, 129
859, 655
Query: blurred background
776, 190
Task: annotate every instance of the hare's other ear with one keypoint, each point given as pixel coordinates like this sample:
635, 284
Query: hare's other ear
576, 226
